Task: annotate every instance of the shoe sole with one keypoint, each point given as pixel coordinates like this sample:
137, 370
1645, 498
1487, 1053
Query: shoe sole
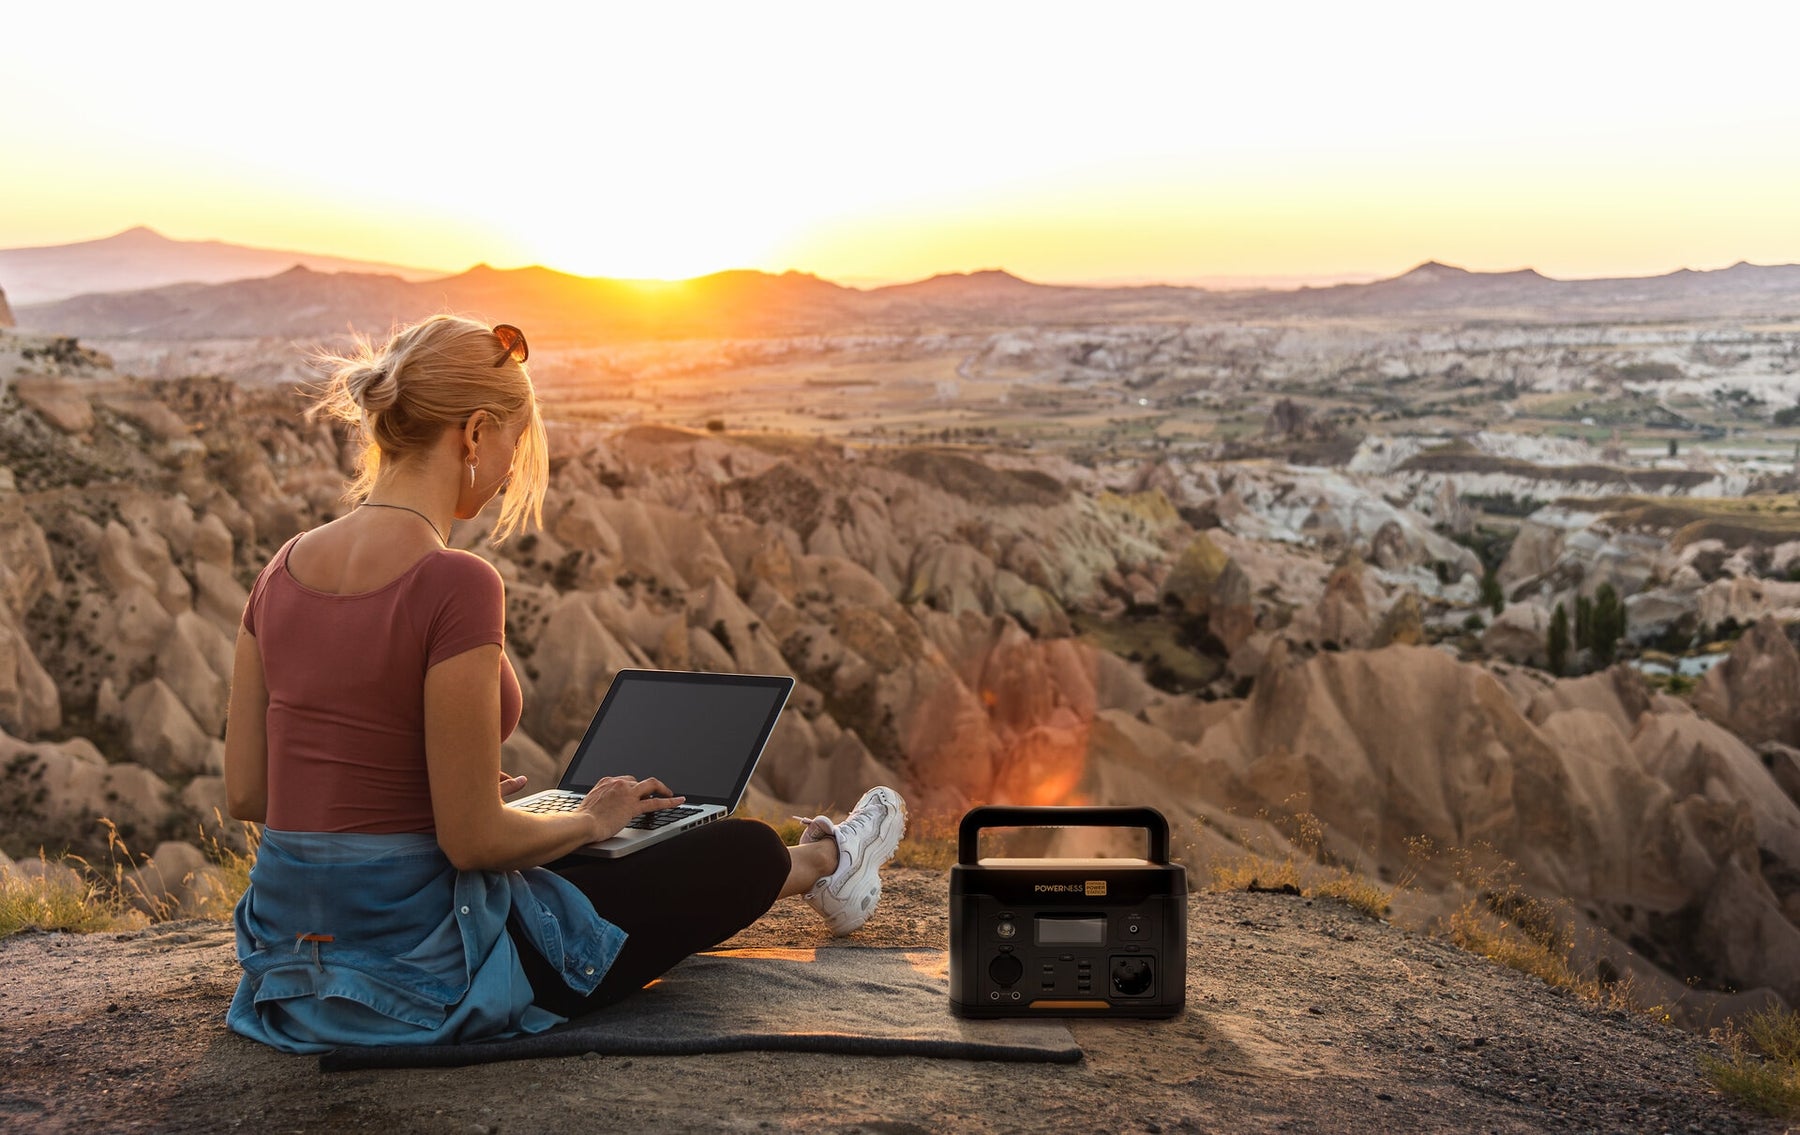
855, 920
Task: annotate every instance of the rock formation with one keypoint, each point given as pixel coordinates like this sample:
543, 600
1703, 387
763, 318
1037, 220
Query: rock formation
946, 618
1755, 692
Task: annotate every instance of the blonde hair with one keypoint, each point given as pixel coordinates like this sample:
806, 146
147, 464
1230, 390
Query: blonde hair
430, 377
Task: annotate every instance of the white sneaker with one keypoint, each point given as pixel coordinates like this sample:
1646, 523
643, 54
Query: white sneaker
866, 839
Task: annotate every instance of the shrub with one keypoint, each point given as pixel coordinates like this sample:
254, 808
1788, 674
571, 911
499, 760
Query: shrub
1768, 1080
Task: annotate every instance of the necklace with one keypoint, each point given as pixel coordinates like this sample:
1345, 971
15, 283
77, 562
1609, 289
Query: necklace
414, 511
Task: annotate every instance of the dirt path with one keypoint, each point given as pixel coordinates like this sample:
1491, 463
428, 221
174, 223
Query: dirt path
1301, 1016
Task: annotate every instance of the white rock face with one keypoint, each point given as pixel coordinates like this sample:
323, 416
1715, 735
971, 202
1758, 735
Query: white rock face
204, 797
163, 734
1519, 634
195, 662
68, 786
1556, 797
177, 881
62, 404
29, 701
213, 545
219, 598
587, 656
27, 569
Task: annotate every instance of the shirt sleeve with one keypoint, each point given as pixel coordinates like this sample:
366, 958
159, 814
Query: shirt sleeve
254, 603
470, 611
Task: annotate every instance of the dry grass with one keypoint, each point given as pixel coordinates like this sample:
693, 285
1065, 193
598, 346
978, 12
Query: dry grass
74, 894
219, 891
1264, 873
1255, 872
65, 894
1476, 928
1768, 1079
930, 842
1500, 920
1504, 922
1359, 892
1260, 871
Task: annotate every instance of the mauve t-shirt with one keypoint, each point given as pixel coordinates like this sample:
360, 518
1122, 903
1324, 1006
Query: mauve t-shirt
346, 681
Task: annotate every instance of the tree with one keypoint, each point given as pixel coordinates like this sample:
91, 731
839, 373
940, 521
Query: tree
1608, 624
1584, 623
1492, 597
1557, 643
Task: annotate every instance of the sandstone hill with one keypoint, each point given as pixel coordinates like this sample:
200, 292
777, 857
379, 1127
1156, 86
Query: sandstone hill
974, 627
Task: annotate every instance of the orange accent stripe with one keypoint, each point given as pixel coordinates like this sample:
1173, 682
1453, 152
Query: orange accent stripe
1071, 1005
314, 938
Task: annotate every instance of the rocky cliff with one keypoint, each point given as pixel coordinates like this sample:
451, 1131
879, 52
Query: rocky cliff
970, 626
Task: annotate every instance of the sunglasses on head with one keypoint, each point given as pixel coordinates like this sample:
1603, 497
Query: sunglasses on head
512, 344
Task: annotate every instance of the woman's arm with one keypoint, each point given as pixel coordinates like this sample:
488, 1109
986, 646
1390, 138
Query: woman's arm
246, 735
462, 754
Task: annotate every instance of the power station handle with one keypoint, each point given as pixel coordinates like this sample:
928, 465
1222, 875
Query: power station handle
1004, 816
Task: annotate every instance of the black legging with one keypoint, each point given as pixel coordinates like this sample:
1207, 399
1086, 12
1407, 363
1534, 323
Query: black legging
677, 898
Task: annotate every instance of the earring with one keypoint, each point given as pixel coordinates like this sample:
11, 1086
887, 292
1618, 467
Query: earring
471, 474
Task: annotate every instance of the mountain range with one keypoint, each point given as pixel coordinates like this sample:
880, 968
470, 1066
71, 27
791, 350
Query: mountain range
141, 257
317, 298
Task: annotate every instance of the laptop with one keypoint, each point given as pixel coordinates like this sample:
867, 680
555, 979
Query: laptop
700, 734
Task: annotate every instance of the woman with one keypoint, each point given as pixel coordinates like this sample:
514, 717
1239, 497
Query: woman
394, 898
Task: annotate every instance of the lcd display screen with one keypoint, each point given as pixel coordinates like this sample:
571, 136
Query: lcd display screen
1071, 931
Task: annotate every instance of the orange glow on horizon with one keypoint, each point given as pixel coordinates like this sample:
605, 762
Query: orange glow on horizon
1073, 145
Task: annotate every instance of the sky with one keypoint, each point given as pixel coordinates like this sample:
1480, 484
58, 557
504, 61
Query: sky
881, 142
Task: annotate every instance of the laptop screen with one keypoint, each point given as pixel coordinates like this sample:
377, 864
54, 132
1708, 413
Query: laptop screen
700, 734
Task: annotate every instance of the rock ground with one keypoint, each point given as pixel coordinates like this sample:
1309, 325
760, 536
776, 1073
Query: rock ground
1302, 1015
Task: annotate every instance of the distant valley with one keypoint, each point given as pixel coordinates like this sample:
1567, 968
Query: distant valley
1289, 563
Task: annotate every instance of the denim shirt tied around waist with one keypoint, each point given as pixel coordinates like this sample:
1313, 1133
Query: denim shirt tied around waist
355, 939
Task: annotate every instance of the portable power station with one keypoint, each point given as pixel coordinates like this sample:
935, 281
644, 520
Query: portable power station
1067, 937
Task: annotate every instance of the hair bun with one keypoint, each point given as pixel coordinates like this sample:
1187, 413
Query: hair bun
373, 387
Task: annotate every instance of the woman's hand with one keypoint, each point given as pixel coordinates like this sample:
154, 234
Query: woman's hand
510, 784
617, 800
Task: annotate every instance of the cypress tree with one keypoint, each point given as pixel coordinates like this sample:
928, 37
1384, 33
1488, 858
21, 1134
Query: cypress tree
1608, 623
1557, 644
1492, 597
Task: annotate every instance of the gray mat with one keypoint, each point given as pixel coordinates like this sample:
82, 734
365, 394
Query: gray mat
851, 1000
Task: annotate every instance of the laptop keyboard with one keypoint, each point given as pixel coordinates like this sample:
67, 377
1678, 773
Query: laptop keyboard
569, 801
650, 821
546, 805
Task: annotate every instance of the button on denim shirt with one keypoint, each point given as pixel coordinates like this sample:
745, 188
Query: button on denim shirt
353, 939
